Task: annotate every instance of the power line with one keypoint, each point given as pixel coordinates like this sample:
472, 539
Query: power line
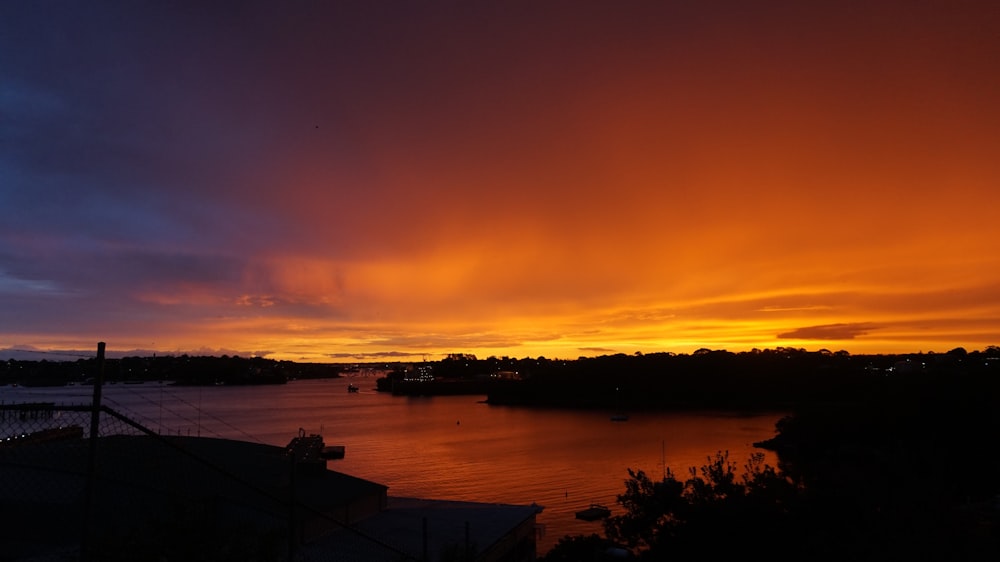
201, 412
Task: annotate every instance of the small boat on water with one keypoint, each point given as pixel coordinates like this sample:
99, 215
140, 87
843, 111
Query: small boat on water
352, 388
594, 512
332, 452
619, 415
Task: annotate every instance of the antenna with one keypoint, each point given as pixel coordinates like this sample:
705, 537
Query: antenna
663, 457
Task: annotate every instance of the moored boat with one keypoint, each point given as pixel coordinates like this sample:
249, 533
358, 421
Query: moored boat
332, 452
594, 512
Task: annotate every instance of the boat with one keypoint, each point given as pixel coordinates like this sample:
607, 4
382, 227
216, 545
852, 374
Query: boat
352, 388
619, 415
332, 452
594, 512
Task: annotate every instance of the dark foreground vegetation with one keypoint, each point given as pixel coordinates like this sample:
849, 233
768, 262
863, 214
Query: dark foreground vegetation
884, 457
905, 468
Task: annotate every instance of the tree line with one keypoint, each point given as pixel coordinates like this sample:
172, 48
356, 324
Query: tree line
772, 379
904, 469
179, 369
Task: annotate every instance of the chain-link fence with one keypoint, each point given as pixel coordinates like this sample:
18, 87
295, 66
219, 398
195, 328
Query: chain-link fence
80, 484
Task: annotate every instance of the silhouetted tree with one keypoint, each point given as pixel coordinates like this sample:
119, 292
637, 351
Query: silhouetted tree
713, 515
581, 548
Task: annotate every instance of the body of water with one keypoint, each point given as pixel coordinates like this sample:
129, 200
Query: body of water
444, 447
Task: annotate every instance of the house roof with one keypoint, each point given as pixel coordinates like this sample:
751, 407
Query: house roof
449, 525
224, 480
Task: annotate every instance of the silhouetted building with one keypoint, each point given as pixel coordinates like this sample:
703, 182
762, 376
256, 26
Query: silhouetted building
155, 493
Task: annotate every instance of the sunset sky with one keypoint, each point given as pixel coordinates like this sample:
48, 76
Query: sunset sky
333, 181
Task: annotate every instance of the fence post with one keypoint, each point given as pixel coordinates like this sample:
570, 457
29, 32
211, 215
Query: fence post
291, 507
95, 412
95, 420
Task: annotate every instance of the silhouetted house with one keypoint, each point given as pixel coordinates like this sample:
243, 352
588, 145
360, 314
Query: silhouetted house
438, 530
908, 366
165, 494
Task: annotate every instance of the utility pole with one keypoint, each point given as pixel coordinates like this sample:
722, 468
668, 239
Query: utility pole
95, 421
95, 412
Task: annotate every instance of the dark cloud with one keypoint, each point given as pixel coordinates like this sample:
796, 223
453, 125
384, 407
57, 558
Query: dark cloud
597, 349
169, 269
830, 332
115, 275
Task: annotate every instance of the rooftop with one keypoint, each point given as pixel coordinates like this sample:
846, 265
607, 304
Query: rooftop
214, 490
484, 529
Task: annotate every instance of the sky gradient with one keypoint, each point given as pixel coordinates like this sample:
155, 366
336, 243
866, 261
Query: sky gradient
328, 181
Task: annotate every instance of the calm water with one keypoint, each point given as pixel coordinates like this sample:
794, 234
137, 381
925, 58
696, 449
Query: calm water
452, 447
